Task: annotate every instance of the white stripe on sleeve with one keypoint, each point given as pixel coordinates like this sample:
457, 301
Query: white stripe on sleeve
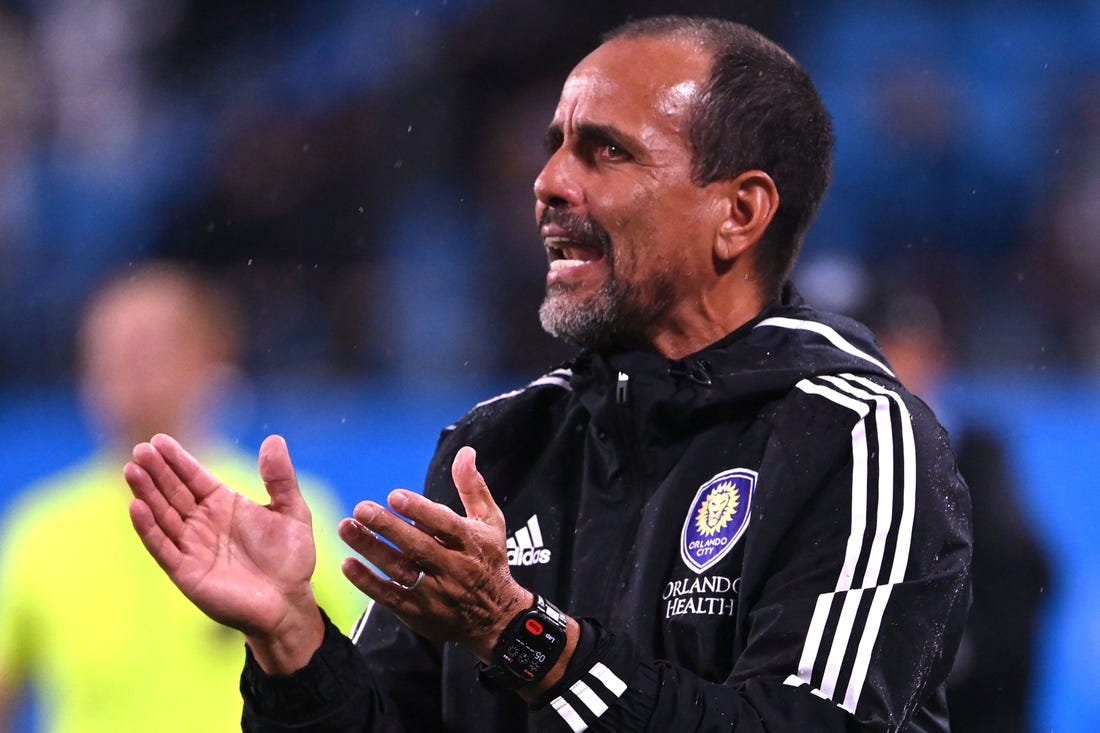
569, 715
850, 640
609, 679
585, 694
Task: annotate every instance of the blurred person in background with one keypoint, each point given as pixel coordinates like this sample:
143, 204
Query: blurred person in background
991, 687
748, 522
88, 622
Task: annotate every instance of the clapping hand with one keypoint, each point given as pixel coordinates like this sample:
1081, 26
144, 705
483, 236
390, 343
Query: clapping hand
246, 565
450, 574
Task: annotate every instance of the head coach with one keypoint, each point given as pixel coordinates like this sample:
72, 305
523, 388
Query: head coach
725, 513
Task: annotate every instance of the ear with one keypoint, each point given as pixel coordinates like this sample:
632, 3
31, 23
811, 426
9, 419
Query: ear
748, 207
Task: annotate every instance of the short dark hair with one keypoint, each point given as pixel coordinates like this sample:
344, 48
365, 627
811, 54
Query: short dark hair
758, 111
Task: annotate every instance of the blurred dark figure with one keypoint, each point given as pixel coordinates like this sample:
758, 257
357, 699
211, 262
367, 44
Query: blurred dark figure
1059, 280
991, 685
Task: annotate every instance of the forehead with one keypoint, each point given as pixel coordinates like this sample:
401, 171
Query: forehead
635, 82
143, 312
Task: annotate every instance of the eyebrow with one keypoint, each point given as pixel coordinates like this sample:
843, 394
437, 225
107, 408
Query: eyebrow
589, 132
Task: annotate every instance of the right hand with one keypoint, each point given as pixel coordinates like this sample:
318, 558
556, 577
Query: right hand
245, 565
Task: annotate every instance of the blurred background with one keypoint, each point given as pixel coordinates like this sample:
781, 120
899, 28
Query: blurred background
358, 175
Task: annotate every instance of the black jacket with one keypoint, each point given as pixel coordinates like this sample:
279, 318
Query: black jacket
768, 535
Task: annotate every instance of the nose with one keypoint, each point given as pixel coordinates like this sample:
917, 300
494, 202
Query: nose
557, 186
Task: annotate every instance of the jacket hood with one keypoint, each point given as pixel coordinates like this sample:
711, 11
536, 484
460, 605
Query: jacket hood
762, 360
790, 341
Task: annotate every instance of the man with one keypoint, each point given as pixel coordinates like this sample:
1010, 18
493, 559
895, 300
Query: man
85, 618
825, 591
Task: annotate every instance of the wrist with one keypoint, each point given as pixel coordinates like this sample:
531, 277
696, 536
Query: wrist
532, 651
292, 643
483, 647
557, 672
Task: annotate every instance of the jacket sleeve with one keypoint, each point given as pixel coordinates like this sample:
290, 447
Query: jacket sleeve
855, 587
343, 691
325, 695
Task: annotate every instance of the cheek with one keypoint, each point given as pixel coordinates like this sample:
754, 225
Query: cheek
632, 216
656, 226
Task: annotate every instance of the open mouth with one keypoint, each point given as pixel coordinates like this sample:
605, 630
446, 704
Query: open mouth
564, 252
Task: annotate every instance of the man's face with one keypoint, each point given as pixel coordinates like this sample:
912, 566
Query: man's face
628, 234
145, 363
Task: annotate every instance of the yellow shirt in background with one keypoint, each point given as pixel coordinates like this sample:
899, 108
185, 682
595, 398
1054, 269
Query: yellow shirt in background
108, 641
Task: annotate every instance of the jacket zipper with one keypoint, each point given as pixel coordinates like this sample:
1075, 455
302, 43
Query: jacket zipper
622, 389
630, 482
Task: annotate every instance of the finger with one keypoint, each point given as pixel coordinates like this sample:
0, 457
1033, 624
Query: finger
472, 489
164, 478
431, 518
389, 560
368, 581
199, 482
143, 489
439, 520
163, 549
411, 541
383, 591
279, 478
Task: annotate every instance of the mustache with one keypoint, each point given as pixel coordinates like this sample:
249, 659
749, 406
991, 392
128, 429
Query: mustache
583, 229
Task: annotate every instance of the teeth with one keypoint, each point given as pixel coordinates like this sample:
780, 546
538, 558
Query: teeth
565, 252
556, 246
566, 264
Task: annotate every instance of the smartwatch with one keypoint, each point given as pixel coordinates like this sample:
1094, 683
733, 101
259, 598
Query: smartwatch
528, 647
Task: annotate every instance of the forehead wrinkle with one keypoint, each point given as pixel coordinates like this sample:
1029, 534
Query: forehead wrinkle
608, 90
580, 86
590, 119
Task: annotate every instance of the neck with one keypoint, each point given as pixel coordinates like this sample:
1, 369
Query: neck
706, 318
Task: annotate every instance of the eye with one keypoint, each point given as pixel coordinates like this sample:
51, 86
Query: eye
611, 151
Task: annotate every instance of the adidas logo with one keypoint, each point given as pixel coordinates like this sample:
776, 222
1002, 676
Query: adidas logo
525, 545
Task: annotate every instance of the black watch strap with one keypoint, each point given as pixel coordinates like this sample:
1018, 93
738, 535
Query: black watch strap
528, 647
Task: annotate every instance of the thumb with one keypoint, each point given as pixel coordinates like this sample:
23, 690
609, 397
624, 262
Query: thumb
279, 479
476, 498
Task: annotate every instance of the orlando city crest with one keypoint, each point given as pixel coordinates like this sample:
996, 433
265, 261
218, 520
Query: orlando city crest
717, 518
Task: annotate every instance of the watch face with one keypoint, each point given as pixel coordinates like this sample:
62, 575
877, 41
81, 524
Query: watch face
532, 642
523, 659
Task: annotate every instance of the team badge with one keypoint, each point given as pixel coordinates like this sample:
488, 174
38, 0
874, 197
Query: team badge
717, 518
